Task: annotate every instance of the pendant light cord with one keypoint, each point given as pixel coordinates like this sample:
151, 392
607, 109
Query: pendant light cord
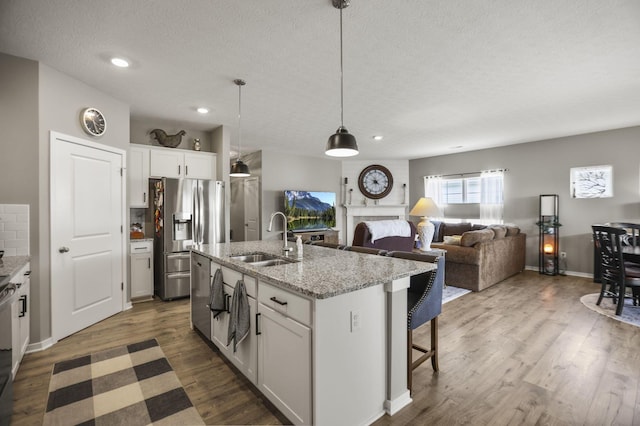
239, 119
341, 73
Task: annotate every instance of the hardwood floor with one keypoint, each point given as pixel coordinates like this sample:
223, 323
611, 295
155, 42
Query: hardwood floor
524, 351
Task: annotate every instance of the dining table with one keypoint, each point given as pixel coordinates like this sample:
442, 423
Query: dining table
631, 254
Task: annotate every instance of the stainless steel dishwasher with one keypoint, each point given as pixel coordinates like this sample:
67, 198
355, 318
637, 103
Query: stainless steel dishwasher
200, 292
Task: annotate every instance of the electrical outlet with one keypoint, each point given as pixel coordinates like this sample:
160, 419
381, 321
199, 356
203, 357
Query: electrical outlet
563, 254
356, 320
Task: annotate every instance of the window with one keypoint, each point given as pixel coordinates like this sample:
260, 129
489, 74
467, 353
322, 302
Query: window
460, 191
477, 198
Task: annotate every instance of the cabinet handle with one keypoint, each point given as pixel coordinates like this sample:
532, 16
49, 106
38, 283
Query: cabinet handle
258, 332
149, 263
227, 298
186, 170
144, 197
178, 170
23, 308
274, 299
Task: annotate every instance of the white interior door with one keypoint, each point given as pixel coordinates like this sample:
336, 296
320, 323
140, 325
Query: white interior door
87, 240
251, 209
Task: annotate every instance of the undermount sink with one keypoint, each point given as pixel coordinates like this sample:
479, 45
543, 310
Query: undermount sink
261, 259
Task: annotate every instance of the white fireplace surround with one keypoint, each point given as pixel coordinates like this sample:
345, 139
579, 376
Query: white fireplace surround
357, 214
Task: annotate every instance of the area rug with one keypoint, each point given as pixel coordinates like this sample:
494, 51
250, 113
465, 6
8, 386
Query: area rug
450, 293
630, 314
127, 385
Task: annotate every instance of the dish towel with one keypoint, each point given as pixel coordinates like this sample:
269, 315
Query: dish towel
388, 228
239, 318
217, 296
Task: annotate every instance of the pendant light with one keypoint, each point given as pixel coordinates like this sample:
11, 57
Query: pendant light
238, 168
341, 143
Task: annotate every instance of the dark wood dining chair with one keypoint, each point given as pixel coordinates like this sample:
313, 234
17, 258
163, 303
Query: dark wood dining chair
616, 277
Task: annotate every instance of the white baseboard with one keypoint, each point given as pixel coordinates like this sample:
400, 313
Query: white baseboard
571, 273
39, 346
393, 406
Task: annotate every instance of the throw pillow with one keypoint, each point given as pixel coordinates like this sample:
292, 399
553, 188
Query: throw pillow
500, 231
470, 238
453, 240
512, 230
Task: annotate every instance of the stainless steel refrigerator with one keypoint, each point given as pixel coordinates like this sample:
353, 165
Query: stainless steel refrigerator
185, 212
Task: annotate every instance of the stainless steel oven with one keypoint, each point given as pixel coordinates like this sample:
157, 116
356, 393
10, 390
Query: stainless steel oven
7, 297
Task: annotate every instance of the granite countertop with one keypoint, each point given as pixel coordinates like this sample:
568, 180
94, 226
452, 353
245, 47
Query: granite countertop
322, 273
9, 265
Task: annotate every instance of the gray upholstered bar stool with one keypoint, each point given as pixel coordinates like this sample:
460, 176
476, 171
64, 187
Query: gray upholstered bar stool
424, 303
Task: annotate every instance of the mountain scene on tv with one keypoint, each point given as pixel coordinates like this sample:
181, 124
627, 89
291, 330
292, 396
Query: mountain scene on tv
310, 210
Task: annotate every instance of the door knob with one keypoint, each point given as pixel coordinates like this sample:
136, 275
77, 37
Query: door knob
63, 249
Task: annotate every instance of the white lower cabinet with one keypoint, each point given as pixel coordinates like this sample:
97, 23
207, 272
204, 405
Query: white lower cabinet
141, 269
276, 355
284, 364
20, 317
246, 356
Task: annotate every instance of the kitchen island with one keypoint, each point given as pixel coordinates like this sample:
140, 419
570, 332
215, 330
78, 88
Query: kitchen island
328, 332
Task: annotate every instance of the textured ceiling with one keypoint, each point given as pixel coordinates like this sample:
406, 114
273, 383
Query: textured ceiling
430, 76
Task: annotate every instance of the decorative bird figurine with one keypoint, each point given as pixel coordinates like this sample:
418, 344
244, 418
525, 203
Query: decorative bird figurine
170, 141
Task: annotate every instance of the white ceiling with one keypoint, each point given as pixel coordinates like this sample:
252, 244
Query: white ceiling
429, 75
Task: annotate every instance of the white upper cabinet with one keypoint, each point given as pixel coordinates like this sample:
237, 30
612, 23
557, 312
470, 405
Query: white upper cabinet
138, 176
172, 163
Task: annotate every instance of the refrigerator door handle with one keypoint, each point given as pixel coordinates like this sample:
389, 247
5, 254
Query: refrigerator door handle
196, 217
201, 213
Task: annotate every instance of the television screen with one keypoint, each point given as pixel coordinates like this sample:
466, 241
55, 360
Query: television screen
310, 210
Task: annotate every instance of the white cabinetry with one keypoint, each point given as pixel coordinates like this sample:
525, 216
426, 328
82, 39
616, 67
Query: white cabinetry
284, 352
172, 163
245, 357
138, 176
20, 320
141, 268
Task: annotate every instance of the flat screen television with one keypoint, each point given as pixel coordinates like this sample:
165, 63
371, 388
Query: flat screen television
310, 210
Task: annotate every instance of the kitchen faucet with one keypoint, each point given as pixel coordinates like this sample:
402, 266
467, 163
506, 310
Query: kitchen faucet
286, 249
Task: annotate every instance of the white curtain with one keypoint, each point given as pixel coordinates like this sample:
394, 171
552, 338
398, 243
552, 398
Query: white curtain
433, 189
491, 197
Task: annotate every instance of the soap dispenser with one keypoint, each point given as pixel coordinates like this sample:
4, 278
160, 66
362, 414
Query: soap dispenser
299, 246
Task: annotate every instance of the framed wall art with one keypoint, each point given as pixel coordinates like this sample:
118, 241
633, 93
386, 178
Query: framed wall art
591, 182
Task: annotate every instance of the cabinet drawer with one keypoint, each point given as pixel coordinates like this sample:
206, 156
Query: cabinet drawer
141, 247
230, 277
285, 302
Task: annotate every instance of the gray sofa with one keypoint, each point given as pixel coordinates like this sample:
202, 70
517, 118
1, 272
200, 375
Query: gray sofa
477, 256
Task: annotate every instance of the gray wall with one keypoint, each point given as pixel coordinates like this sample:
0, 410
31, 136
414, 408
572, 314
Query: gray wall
19, 166
281, 171
37, 99
543, 168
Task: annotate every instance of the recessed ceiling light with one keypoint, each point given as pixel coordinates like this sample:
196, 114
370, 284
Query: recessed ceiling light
119, 62
378, 138
203, 110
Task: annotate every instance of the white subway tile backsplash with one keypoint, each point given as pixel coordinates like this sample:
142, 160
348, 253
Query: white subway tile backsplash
16, 208
16, 226
14, 229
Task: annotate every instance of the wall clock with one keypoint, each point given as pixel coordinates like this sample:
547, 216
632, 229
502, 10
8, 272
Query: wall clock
93, 122
375, 181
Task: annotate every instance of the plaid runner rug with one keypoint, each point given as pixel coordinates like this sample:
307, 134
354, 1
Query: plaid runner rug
128, 385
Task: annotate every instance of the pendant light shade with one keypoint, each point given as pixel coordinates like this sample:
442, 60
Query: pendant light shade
238, 168
341, 143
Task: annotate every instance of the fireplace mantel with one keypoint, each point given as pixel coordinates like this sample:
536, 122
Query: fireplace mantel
377, 211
